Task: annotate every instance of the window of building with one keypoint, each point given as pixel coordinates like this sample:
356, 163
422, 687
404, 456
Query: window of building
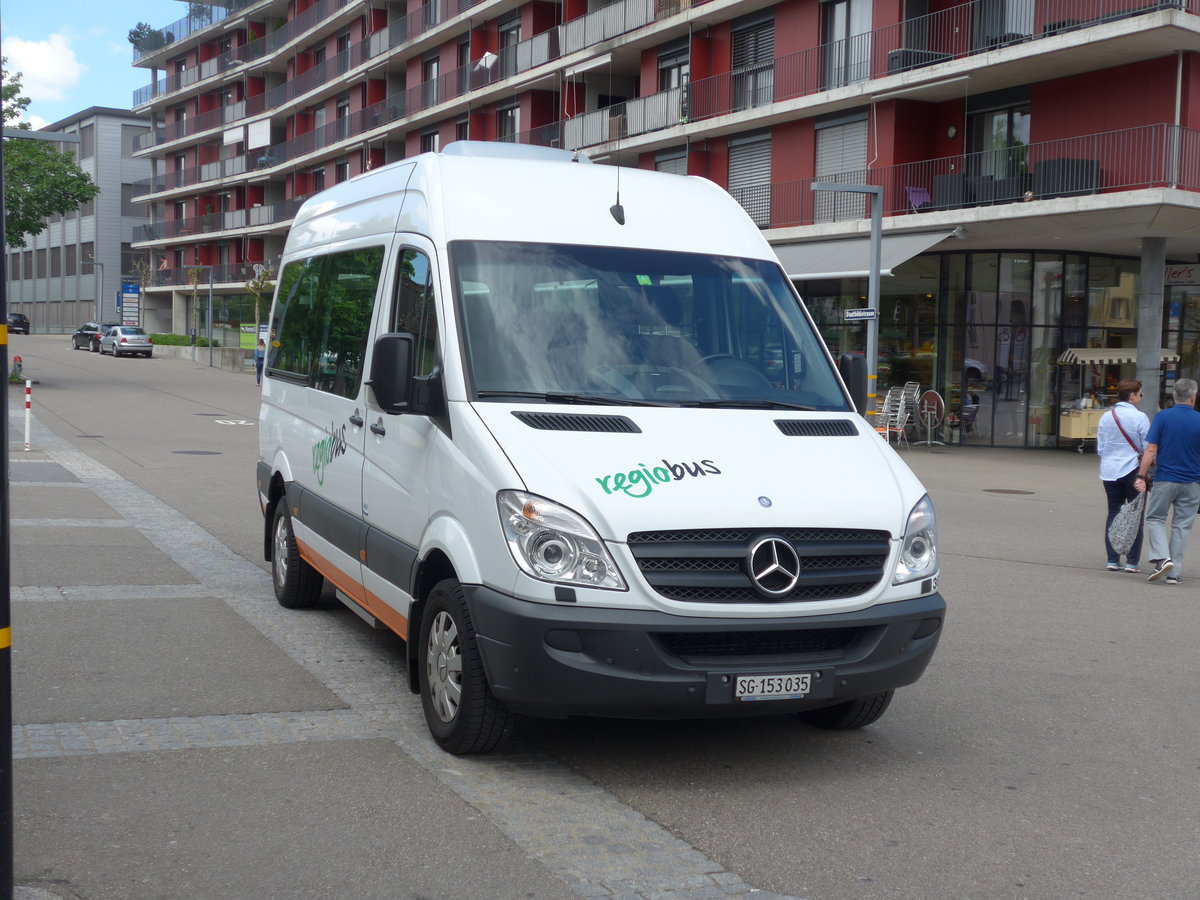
508, 123
56, 262
341, 171
128, 257
673, 161
415, 311
27, 265
318, 179
87, 208
310, 351
430, 69
846, 41
1000, 22
343, 40
342, 112
179, 65
69, 256
750, 175
87, 141
841, 156
462, 129
674, 63
753, 63
998, 143
510, 36
318, 118
128, 206
429, 141
129, 138
318, 55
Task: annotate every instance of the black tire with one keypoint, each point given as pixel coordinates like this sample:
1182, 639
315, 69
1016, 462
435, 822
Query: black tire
462, 714
297, 584
94, 346
851, 714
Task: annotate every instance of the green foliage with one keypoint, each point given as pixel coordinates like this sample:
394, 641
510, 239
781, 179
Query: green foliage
145, 37
180, 340
39, 181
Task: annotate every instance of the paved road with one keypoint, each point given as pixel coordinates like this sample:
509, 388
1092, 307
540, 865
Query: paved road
179, 735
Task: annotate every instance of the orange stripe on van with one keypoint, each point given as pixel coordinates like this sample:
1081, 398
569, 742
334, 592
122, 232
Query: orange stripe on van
354, 589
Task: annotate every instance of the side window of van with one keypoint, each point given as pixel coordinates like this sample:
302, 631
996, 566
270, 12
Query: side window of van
323, 318
415, 311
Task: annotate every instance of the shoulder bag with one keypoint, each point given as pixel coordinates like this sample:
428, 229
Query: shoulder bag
1121, 428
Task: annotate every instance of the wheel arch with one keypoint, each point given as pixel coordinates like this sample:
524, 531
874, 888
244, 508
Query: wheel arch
433, 568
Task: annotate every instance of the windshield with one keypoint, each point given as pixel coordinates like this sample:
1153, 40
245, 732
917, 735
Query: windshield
603, 324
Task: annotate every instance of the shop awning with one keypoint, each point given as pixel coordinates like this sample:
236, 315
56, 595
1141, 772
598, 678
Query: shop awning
851, 257
1109, 356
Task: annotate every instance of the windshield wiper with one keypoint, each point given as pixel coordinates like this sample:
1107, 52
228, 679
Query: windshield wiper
558, 397
725, 403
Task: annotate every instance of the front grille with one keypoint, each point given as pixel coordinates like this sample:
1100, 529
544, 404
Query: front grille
712, 565
794, 647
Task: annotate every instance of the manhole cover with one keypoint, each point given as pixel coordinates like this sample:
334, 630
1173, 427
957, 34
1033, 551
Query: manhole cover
198, 452
1004, 491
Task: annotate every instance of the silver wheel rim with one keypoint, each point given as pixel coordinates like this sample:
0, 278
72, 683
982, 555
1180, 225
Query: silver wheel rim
443, 667
280, 556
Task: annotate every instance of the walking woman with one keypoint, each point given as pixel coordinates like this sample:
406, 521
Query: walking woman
1120, 442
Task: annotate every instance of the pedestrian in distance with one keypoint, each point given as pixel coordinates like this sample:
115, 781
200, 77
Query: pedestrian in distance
1173, 447
1120, 443
260, 354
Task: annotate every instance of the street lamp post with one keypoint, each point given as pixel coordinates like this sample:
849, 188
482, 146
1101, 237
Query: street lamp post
99, 290
876, 193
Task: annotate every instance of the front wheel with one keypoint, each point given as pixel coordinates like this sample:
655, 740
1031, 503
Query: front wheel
851, 714
297, 584
461, 712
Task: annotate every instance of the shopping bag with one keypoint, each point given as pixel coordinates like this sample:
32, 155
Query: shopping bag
1126, 523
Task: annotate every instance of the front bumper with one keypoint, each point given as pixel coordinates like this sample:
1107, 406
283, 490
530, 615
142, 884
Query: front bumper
562, 660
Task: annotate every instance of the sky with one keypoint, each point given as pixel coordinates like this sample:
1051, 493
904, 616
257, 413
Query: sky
75, 54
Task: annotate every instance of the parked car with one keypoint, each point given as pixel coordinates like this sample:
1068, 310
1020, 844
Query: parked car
126, 340
18, 322
87, 336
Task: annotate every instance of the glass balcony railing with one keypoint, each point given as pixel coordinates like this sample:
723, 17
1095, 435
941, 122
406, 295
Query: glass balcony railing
1152, 156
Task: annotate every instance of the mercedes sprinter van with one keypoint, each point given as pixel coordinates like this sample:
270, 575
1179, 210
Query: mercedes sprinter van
569, 431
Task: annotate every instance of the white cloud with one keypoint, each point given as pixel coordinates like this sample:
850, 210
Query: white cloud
49, 69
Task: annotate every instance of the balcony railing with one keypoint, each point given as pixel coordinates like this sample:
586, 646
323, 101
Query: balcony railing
261, 216
229, 273
953, 33
1152, 156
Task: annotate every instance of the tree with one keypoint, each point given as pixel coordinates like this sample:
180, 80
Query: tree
39, 180
258, 287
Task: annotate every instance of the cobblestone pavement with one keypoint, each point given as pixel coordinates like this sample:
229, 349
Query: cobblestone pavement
599, 846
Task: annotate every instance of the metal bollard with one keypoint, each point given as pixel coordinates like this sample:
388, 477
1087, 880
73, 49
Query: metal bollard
28, 403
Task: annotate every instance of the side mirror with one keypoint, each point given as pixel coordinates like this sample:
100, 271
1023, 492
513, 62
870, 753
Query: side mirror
391, 371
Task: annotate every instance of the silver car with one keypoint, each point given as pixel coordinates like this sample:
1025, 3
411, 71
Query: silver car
126, 340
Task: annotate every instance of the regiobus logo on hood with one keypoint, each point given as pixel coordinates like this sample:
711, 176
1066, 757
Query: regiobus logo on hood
326, 450
640, 481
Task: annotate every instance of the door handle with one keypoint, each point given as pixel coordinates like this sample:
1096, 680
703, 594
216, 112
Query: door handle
377, 428
356, 420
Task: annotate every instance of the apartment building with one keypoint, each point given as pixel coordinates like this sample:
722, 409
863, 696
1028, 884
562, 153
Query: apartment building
80, 267
1038, 160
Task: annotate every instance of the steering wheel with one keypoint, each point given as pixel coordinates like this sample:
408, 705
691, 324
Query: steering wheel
732, 371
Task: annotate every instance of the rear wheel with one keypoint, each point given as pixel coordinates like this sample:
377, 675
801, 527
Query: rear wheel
297, 584
461, 712
851, 714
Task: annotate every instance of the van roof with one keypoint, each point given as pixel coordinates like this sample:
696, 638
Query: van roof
475, 190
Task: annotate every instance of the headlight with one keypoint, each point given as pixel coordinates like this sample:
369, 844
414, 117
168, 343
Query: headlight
552, 543
918, 549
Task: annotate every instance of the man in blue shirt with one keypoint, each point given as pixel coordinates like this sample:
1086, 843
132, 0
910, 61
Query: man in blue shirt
1173, 445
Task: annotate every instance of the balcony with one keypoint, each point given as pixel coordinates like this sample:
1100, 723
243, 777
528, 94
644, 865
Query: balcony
956, 33
266, 215
1153, 156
